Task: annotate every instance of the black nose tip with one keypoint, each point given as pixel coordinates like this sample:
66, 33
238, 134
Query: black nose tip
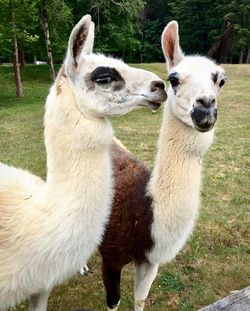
204, 118
207, 102
156, 85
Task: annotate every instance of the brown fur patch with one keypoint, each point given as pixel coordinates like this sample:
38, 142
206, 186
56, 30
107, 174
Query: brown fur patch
60, 79
59, 87
128, 234
79, 40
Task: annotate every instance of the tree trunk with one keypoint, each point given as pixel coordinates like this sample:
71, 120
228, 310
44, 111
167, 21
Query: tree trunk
241, 57
19, 87
142, 43
21, 59
45, 27
231, 58
248, 56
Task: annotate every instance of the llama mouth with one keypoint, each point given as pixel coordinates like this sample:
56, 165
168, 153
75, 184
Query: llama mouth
153, 105
204, 127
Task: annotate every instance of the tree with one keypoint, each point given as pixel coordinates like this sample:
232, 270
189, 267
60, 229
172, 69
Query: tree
239, 12
54, 12
130, 29
117, 25
153, 21
200, 23
14, 30
19, 87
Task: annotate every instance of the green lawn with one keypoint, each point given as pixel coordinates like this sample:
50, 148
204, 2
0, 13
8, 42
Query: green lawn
216, 259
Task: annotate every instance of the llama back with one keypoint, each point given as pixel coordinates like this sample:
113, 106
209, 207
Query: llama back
17, 180
16, 187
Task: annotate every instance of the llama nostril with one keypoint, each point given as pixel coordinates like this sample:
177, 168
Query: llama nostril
206, 102
156, 85
201, 101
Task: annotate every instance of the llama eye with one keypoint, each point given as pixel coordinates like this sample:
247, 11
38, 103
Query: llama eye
104, 76
222, 82
174, 81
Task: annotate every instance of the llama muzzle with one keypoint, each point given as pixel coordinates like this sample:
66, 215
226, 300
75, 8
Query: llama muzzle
204, 118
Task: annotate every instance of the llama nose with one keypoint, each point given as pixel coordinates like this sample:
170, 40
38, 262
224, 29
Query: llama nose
157, 85
206, 102
204, 118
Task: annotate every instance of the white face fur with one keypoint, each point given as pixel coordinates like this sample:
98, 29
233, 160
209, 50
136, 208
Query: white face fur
195, 83
104, 86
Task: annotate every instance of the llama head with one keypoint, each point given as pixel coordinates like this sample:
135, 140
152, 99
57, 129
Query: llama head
195, 83
104, 86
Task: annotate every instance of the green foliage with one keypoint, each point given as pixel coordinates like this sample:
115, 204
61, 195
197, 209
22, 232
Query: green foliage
28, 29
25, 22
239, 13
117, 25
200, 23
130, 29
151, 42
153, 22
60, 22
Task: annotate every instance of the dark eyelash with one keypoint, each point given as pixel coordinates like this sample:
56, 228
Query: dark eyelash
104, 79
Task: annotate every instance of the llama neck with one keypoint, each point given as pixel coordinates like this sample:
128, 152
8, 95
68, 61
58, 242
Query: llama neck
175, 184
77, 149
74, 204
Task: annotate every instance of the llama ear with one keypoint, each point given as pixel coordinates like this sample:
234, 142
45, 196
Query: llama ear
170, 45
81, 42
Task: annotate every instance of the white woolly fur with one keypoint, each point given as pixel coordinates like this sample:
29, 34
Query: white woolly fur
176, 178
48, 229
174, 186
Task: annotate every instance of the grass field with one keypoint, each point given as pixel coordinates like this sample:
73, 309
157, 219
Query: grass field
216, 260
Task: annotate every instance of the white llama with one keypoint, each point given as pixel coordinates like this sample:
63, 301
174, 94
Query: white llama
153, 216
47, 229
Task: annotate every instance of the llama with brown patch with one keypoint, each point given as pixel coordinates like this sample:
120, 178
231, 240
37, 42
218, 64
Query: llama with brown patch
154, 214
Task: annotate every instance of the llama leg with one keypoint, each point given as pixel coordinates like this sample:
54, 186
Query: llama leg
38, 302
111, 279
145, 275
85, 270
